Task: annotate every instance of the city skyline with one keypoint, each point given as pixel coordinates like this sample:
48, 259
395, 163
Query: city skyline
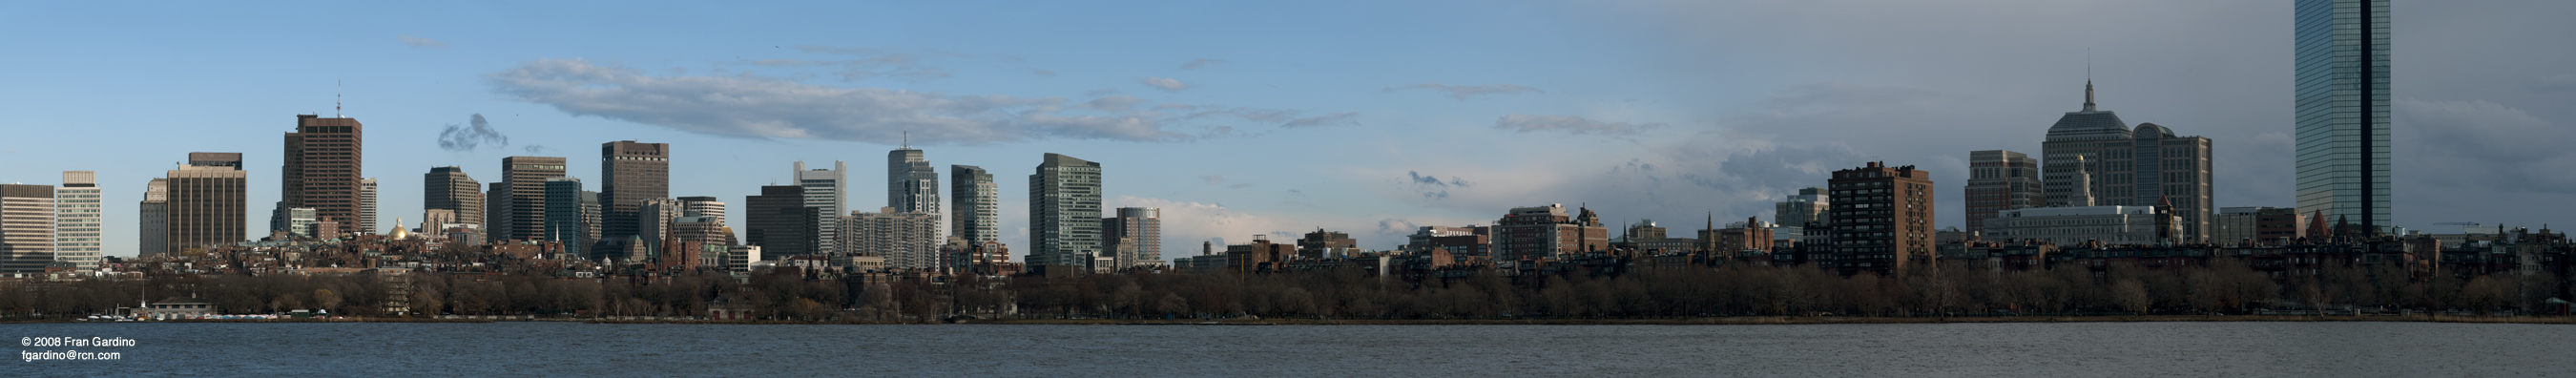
1395, 162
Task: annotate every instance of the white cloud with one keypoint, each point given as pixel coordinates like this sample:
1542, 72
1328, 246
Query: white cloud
762, 107
1462, 92
1568, 124
420, 42
1185, 224
1164, 84
1196, 64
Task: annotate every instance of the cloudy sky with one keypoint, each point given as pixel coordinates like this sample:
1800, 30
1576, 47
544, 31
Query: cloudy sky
1370, 117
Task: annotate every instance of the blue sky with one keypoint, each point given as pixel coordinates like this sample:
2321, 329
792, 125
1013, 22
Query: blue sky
1280, 117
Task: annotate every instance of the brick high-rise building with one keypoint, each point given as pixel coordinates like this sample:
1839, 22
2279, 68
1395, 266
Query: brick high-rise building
2001, 180
325, 167
207, 204
26, 229
448, 188
631, 173
525, 190
1542, 232
976, 210
1882, 218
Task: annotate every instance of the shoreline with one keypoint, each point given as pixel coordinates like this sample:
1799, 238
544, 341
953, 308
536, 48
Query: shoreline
1740, 320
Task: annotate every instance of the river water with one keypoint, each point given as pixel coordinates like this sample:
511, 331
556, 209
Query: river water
1937, 350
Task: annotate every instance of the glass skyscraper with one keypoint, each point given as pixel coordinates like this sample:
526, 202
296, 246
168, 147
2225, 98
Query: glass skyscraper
2343, 111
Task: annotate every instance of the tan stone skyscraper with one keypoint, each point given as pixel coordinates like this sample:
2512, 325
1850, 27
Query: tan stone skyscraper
524, 187
324, 168
631, 174
448, 188
206, 202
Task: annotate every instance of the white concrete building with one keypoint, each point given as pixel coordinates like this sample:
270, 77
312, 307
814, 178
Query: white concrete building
2113, 225
77, 220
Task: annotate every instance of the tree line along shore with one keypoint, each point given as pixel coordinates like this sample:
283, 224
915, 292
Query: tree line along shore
2223, 290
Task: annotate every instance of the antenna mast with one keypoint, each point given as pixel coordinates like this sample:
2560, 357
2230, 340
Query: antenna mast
335, 99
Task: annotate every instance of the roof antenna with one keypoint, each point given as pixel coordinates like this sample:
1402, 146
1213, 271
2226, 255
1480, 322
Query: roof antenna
2088, 79
907, 139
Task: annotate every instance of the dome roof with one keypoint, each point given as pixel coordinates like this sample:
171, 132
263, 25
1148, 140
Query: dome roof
400, 233
2151, 130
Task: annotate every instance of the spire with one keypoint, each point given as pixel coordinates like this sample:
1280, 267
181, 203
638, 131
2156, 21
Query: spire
2088, 95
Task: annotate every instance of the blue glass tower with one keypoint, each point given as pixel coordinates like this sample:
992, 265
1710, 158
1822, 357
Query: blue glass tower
2342, 112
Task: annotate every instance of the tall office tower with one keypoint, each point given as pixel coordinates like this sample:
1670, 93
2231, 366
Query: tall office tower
2079, 138
1882, 218
631, 173
367, 205
912, 185
563, 218
780, 222
1807, 206
908, 240
586, 206
2343, 110
526, 194
325, 163
448, 188
155, 230
1064, 212
653, 220
496, 212
207, 201
77, 220
296, 221
977, 214
826, 191
26, 229
2001, 180
2160, 169
1135, 235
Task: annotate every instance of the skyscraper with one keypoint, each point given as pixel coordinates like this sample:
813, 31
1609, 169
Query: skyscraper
563, 216
1882, 218
631, 173
448, 188
155, 228
780, 222
827, 192
912, 185
496, 211
26, 229
367, 205
908, 240
525, 192
1135, 236
77, 220
712, 214
325, 163
2343, 110
2079, 136
2001, 180
207, 204
1064, 211
977, 214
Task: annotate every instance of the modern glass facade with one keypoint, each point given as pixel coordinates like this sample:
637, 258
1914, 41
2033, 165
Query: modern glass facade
2342, 113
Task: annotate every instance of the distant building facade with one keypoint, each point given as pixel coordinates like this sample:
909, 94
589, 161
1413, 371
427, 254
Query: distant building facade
524, 189
2001, 180
78, 220
827, 191
1134, 237
1883, 218
907, 240
1064, 212
912, 184
325, 167
26, 229
449, 188
630, 174
1543, 232
780, 222
2070, 226
2342, 110
207, 201
976, 213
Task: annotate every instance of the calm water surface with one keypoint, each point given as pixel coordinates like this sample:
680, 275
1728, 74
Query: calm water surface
1956, 350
